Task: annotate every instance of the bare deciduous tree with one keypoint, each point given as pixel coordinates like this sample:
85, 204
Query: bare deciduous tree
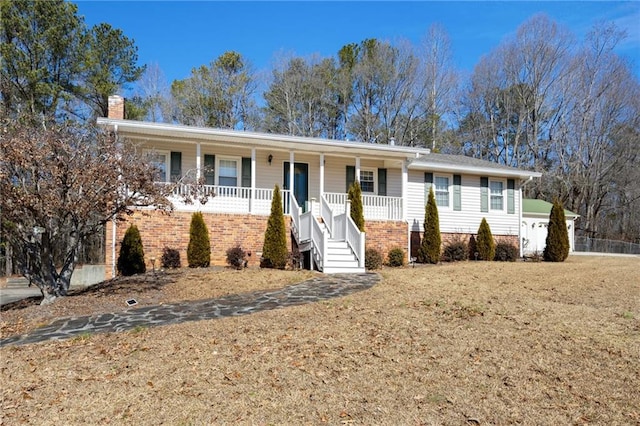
60, 184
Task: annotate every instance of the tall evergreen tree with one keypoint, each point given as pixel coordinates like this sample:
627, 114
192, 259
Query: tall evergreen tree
199, 249
357, 213
429, 251
274, 250
557, 243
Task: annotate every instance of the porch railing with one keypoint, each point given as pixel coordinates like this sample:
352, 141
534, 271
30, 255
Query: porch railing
375, 207
228, 199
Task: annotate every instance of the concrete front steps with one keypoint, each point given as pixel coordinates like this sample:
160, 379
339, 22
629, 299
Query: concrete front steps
340, 259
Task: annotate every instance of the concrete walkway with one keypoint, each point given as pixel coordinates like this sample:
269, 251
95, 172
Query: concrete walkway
309, 291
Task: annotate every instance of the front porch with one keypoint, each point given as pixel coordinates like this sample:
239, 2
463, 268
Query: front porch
246, 200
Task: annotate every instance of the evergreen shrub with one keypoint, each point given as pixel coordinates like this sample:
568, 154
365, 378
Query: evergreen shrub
395, 257
274, 250
429, 251
455, 251
199, 248
357, 212
170, 258
485, 245
131, 258
557, 243
372, 259
236, 257
506, 252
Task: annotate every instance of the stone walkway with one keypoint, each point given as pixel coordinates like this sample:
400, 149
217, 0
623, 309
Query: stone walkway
309, 291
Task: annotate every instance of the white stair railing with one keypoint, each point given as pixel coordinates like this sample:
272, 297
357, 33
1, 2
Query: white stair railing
353, 235
326, 214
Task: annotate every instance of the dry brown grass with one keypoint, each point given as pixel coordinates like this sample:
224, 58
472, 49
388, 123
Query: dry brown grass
475, 342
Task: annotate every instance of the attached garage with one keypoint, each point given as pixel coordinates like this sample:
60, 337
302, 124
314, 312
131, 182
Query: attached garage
535, 220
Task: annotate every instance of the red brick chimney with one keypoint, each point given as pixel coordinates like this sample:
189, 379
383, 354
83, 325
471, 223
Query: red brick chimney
116, 107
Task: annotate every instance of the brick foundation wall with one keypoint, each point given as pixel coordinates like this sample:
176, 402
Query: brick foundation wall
384, 236
416, 238
159, 230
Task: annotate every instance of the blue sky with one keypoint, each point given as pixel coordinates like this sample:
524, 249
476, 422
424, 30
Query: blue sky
181, 35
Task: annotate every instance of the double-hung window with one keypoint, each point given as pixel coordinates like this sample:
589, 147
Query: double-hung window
497, 196
367, 181
442, 191
160, 161
228, 172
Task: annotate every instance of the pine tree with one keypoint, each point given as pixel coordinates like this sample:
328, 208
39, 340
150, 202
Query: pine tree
485, 245
557, 243
357, 213
131, 258
274, 250
430, 247
199, 249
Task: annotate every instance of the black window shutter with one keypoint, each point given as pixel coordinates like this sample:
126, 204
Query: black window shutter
382, 182
176, 166
209, 169
246, 172
351, 176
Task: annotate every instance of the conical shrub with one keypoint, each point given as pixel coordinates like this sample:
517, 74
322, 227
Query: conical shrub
274, 250
357, 213
199, 248
430, 246
131, 258
485, 245
557, 243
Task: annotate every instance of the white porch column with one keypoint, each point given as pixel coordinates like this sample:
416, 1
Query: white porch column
252, 197
405, 192
520, 185
321, 175
358, 169
198, 161
291, 168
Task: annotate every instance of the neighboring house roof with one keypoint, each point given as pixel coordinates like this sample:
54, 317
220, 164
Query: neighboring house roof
531, 207
416, 158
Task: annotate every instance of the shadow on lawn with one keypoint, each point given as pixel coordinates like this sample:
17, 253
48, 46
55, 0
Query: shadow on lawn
118, 285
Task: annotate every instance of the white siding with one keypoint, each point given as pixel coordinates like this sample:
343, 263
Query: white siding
468, 219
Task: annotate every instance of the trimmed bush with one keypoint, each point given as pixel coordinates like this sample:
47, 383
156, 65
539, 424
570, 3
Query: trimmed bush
506, 252
357, 213
395, 257
557, 243
170, 258
429, 251
485, 245
199, 249
131, 258
274, 250
372, 259
236, 257
455, 251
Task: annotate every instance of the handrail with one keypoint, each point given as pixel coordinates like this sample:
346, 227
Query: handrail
355, 240
319, 240
326, 214
295, 215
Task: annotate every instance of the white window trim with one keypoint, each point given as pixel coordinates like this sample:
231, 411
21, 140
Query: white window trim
375, 180
167, 160
504, 198
238, 161
449, 189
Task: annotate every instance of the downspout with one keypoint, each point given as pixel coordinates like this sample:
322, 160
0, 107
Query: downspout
113, 225
522, 185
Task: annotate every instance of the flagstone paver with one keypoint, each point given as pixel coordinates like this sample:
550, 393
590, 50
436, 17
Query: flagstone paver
309, 291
